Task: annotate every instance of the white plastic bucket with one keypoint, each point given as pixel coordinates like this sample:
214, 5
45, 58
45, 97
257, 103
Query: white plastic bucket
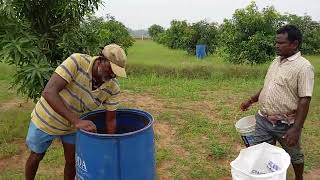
257, 158
246, 127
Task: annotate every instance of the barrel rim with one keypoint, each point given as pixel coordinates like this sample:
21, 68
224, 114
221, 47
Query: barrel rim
141, 112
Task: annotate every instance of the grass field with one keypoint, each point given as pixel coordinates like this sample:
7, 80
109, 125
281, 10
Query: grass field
195, 104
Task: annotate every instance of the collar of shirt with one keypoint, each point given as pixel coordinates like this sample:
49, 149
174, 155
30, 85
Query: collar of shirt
89, 71
92, 60
291, 58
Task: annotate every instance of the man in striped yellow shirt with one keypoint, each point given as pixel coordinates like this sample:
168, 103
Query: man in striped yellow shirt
285, 97
80, 84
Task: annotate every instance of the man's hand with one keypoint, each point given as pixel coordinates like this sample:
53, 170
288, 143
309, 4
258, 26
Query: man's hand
245, 105
86, 125
292, 136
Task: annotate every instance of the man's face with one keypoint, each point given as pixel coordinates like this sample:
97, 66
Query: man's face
105, 72
284, 47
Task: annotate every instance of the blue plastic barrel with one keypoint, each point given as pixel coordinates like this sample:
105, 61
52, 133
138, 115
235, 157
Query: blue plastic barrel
200, 51
126, 155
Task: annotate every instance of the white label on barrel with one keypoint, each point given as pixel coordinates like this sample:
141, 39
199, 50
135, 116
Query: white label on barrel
81, 163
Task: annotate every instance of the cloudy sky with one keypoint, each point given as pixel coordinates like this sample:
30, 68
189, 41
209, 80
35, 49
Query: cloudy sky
140, 14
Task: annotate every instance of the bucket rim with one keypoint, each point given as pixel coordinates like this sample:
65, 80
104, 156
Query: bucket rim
241, 119
138, 111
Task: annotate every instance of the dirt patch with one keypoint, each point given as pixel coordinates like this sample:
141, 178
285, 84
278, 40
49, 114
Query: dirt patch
238, 147
165, 132
166, 140
165, 177
163, 172
15, 103
141, 101
313, 174
226, 178
206, 108
16, 161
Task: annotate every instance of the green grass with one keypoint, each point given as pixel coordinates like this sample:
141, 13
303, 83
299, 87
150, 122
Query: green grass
54, 157
8, 149
151, 53
200, 105
6, 72
148, 57
315, 61
147, 52
6, 77
13, 126
6, 92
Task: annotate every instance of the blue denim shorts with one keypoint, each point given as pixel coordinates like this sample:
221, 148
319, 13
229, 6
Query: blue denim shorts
39, 141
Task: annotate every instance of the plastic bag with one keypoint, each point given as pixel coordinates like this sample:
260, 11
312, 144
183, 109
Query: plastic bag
261, 162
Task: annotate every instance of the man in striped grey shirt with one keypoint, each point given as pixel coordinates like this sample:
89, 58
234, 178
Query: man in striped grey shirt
285, 97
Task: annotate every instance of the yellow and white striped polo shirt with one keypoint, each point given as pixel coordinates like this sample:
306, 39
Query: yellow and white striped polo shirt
286, 81
77, 95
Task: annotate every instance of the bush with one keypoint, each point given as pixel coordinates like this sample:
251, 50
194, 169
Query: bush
177, 36
155, 30
310, 30
182, 35
203, 33
250, 35
93, 34
36, 36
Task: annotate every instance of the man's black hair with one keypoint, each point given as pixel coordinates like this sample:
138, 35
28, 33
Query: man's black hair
293, 33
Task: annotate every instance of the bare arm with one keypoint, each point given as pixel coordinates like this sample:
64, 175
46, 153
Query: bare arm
253, 99
293, 134
51, 95
302, 112
110, 121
